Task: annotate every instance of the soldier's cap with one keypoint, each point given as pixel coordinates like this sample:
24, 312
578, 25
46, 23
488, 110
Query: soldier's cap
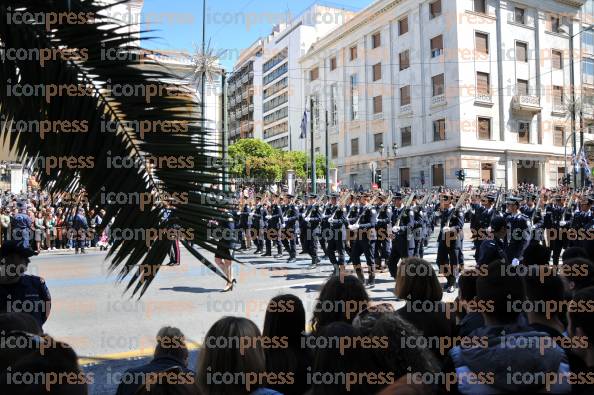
258, 197
14, 247
532, 197
334, 195
513, 200
491, 198
559, 197
590, 199
397, 195
289, 196
498, 223
313, 196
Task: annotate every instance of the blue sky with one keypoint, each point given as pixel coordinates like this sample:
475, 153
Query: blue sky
232, 25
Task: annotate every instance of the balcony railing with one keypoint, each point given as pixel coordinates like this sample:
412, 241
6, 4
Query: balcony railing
406, 109
483, 98
559, 108
438, 100
526, 103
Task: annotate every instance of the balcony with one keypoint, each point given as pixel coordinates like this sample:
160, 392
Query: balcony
244, 94
406, 109
559, 109
483, 98
588, 110
526, 103
244, 110
438, 100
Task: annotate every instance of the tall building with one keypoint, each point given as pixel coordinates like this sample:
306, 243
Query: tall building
587, 81
418, 90
277, 98
242, 110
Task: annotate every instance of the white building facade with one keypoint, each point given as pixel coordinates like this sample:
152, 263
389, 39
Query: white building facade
422, 89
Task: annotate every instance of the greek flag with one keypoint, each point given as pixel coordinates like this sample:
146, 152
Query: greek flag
584, 162
303, 125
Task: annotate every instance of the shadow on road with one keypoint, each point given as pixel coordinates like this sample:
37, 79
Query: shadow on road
193, 290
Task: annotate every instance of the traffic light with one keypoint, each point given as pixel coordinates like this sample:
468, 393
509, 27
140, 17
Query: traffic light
378, 178
461, 175
567, 179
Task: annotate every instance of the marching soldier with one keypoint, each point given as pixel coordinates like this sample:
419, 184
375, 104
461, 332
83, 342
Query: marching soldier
449, 246
364, 241
383, 248
535, 218
291, 216
556, 226
493, 248
402, 223
518, 231
338, 224
313, 220
257, 217
483, 215
581, 220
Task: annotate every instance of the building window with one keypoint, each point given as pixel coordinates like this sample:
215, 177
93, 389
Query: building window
557, 60
377, 72
557, 95
405, 136
438, 84
405, 177
376, 40
558, 136
522, 88
334, 150
333, 64
481, 41
404, 95
487, 173
354, 146
314, 74
480, 6
354, 98
554, 23
588, 71
524, 132
484, 128
377, 105
378, 141
403, 26
404, 60
438, 175
520, 15
435, 9
353, 52
439, 130
333, 105
521, 52
436, 46
483, 84
588, 41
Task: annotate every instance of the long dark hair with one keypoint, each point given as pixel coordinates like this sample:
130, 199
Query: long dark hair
221, 354
341, 299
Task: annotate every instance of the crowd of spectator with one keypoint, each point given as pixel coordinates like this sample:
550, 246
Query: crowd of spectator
50, 223
513, 329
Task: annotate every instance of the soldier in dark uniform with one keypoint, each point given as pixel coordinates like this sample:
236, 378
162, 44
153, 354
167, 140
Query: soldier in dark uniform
402, 233
581, 219
21, 226
243, 227
352, 214
365, 238
337, 234
275, 222
20, 292
313, 219
326, 211
518, 231
419, 228
449, 245
483, 214
494, 246
383, 248
535, 219
556, 226
291, 216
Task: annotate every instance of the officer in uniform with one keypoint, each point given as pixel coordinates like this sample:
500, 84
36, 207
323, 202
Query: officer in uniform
313, 220
556, 226
291, 216
402, 241
20, 292
449, 247
535, 218
243, 226
383, 248
493, 247
337, 234
326, 211
275, 224
483, 214
518, 231
419, 228
266, 234
256, 215
21, 226
365, 239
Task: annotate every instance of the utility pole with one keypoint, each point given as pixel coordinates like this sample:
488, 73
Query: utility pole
314, 188
573, 104
203, 76
224, 129
327, 159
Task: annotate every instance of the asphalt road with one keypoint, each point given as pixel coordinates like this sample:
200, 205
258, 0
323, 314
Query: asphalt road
110, 329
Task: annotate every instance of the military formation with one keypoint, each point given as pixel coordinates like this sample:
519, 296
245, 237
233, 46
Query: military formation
385, 228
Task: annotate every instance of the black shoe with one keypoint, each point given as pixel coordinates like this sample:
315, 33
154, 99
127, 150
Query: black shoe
258, 251
266, 254
325, 257
450, 289
277, 256
291, 260
173, 263
370, 282
229, 286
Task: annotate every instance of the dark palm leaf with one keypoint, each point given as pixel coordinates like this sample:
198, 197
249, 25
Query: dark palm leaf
136, 259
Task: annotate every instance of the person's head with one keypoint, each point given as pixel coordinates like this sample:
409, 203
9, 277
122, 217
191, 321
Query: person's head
10, 322
446, 200
574, 252
497, 288
585, 204
396, 331
14, 260
43, 356
543, 287
341, 299
230, 347
332, 361
171, 342
285, 316
397, 199
499, 227
581, 322
513, 206
536, 254
577, 273
467, 285
417, 281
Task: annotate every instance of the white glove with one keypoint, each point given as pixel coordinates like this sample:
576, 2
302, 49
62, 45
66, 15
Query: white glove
562, 223
285, 219
268, 216
354, 227
395, 229
438, 214
515, 262
251, 214
489, 230
446, 229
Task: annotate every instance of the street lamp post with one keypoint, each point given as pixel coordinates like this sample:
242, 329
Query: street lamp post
395, 151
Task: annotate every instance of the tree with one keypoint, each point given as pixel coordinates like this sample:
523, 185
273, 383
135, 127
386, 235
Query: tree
255, 159
296, 161
125, 159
